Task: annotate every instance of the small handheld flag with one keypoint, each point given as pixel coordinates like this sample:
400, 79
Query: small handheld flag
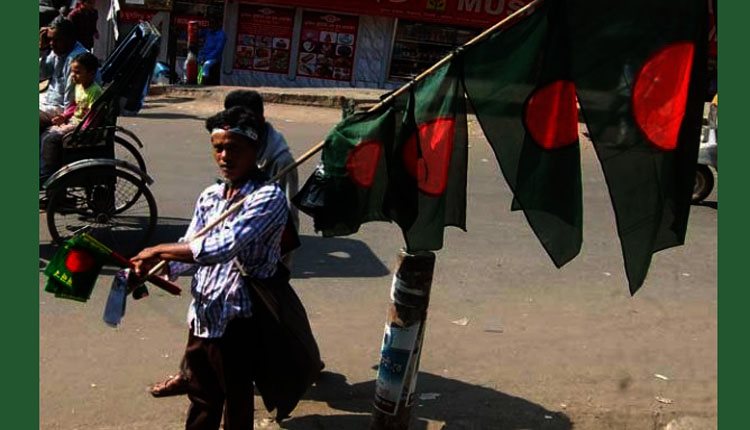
73, 270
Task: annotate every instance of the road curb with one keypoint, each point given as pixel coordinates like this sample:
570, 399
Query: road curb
287, 96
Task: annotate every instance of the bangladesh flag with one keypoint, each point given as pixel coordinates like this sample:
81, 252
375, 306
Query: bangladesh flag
73, 270
520, 85
428, 162
348, 187
639, 70
405, 162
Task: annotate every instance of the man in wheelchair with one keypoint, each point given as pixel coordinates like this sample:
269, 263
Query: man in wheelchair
60, 38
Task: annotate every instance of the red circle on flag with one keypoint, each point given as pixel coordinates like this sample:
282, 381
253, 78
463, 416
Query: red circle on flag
78, 261
436, 142
660, 94
362, 162
551, 115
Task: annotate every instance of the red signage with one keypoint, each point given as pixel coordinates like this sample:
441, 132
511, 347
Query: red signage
327, 45
476, 13
264, 38
134, 16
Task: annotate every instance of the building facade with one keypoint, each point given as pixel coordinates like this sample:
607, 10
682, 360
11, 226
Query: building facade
333, 43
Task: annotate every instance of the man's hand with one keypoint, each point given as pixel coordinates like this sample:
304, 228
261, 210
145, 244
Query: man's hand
58, 120
145, 261
43, 38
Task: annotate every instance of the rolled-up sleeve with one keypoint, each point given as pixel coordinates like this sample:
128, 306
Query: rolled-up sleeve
264, 211
176, 268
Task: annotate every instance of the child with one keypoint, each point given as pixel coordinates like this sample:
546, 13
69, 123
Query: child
83, 73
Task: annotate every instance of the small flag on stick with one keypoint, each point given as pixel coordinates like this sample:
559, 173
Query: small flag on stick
73, 270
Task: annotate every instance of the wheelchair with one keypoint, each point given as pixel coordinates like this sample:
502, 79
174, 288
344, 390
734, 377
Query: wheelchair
102, 185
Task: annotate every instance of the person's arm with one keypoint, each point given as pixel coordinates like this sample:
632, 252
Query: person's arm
65, 116
46, 66
260, 214
213, 50
174, 253
69, 96
289, 182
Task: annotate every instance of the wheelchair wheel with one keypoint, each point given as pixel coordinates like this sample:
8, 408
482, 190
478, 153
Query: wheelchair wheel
126, 151
117, 206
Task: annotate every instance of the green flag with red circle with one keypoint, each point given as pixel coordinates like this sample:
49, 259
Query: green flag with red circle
348, 187
428, 162
405, 162
520, 85
73, 270
637, 70
640, 74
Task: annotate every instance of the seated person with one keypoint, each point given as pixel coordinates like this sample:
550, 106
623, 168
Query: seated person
209, 57
60, 38
83, 70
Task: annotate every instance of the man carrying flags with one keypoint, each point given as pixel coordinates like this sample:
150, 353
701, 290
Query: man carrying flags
222, 350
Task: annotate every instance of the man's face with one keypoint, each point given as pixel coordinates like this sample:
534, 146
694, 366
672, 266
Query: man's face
235, 155
60, 44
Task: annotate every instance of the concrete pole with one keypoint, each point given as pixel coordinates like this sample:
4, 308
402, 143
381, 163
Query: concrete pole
402, 342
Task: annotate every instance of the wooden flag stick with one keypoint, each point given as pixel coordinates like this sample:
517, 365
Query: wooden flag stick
315, 149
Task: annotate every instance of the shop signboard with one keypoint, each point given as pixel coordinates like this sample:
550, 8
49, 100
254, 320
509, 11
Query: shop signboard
134, 16
149, 4
327, 44
472, 13
264, 38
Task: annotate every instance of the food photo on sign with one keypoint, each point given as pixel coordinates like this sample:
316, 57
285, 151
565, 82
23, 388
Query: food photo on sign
327, 46
264, 38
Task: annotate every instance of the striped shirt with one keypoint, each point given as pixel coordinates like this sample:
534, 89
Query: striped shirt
250, 238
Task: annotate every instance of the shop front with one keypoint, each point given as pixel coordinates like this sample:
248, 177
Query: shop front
347, 43
184, 11
158, 12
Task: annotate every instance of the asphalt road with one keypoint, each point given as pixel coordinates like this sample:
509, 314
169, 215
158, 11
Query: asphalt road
542, 348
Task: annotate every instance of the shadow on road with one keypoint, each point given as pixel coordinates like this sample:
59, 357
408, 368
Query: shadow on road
459, 406
335, 257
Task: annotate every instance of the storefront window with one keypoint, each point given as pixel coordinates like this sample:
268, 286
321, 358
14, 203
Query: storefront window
264, 38
417, 46
327, 45
196, 10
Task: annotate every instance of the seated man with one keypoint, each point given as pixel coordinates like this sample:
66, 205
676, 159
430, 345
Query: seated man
209, 57
60, 93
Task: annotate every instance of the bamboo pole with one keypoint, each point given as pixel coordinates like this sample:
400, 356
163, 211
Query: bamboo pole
315, 149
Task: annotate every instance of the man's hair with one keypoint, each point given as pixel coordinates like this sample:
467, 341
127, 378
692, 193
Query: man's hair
237, 116
248, 99
88, 61
64, 27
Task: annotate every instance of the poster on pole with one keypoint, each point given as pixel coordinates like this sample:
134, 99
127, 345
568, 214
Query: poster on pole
397, 358
327, 45
264, 36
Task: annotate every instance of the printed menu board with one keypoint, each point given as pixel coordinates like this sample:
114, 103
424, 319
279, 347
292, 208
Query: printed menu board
327, 45
264, 38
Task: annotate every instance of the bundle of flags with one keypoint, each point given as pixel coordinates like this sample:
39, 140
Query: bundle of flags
638, 71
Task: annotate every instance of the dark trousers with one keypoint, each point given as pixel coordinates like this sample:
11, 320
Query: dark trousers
222, 378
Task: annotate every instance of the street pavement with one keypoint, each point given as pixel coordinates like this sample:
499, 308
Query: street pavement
511, 343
